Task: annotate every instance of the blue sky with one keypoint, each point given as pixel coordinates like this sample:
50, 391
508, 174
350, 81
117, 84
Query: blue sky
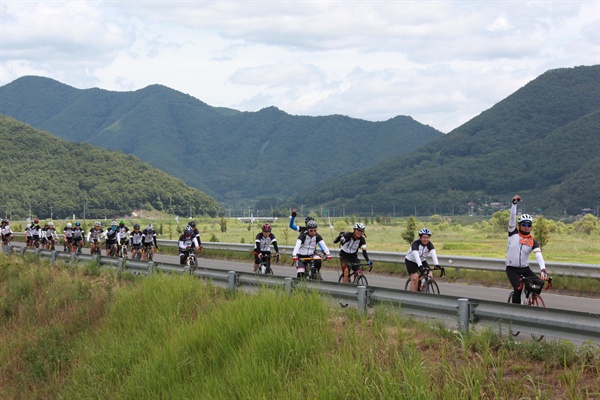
441, 62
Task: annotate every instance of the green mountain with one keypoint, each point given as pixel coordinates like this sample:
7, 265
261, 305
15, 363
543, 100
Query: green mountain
226, 153
542, 142
48, 175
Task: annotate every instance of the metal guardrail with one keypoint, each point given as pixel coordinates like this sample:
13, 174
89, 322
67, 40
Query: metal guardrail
486, 264
570, 325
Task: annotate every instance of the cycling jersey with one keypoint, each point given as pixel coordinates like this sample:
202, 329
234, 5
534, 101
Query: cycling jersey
149, 237
49, 233
68, 232
351, 245
122, 232
417, 253
111, 236
136, 237
94, 234
263, 243
186, 242
77, 233
306, 245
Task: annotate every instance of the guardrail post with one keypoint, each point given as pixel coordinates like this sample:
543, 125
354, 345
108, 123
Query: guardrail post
362, 298
22, 250
73, 258
150, 268
463, 315
288, 285
6, 249
53, 257
187, 270
120, 264
231, 280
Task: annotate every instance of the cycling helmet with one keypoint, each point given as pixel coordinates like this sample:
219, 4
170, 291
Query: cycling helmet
77, 223
266, 228
50, 223
312, 224
36, 221
525, 218
136, 226
424, 231
188, 231
121, 222
360, 227
150, 227
192, 224
309, 218
69, 225
97, 223
113, 223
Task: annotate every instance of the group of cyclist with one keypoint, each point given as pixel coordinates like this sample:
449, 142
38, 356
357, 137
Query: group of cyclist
75, 238
520, 245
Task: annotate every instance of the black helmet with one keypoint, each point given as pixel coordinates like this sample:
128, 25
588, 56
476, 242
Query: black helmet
192, 224
312, 224
309, 218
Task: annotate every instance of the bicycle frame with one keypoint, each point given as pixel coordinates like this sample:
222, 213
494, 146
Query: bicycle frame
264, 267
309, 262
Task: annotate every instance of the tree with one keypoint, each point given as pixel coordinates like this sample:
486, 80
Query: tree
411, 230
223, 224
587, 224
541, 230
499, 220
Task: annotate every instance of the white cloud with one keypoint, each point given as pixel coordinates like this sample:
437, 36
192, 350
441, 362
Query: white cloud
441, 62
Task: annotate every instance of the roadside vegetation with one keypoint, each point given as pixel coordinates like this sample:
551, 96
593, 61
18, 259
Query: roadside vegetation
87, 332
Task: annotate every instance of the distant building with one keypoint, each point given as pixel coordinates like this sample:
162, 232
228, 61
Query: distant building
588, 211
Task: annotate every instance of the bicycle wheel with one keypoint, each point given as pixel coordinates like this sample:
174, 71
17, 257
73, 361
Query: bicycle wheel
407, 285
432, 287
510, 296
535, 300
362, 281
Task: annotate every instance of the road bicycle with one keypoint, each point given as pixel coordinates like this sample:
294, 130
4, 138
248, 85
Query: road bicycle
97, 248
123, 250
356, 275
426, 282
264, 267
114, 250
191, 260
530, 296
78, 244
308, 270
148, 253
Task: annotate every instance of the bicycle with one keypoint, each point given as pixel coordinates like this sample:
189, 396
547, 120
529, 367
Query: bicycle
356, 276
310, 271
114, 250
426, 282
123, 251
190, 259
78, 246
148, 253
530, 296
97, 250
264, 267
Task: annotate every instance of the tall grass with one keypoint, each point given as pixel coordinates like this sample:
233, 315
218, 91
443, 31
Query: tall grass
175, 337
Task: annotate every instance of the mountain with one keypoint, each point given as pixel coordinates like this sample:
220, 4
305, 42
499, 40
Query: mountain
48, 175
226, 153
542, 142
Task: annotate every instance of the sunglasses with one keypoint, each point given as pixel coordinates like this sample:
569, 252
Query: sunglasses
527, 224
312, 230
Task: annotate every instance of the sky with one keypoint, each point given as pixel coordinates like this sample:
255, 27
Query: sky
440, 62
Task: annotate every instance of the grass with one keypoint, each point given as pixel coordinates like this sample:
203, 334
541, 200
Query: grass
77, 333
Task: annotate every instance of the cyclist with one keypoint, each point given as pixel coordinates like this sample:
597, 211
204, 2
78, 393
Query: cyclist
68, 237
28, 234
35, 231
351, 242
187, 244
49, 236
416, 255
262, 245
149, 241
520, 245
306, 247
111, 238
136, 240
94, 236
7, 233
77, 236
299, 228
123, 233
196, 235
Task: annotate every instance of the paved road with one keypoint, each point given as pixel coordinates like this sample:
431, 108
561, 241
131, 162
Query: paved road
563, 302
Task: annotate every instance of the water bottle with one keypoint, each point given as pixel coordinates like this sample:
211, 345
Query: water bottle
263, 269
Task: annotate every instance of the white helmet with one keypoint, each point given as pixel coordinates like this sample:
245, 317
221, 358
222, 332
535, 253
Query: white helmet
525, 218
69, 225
